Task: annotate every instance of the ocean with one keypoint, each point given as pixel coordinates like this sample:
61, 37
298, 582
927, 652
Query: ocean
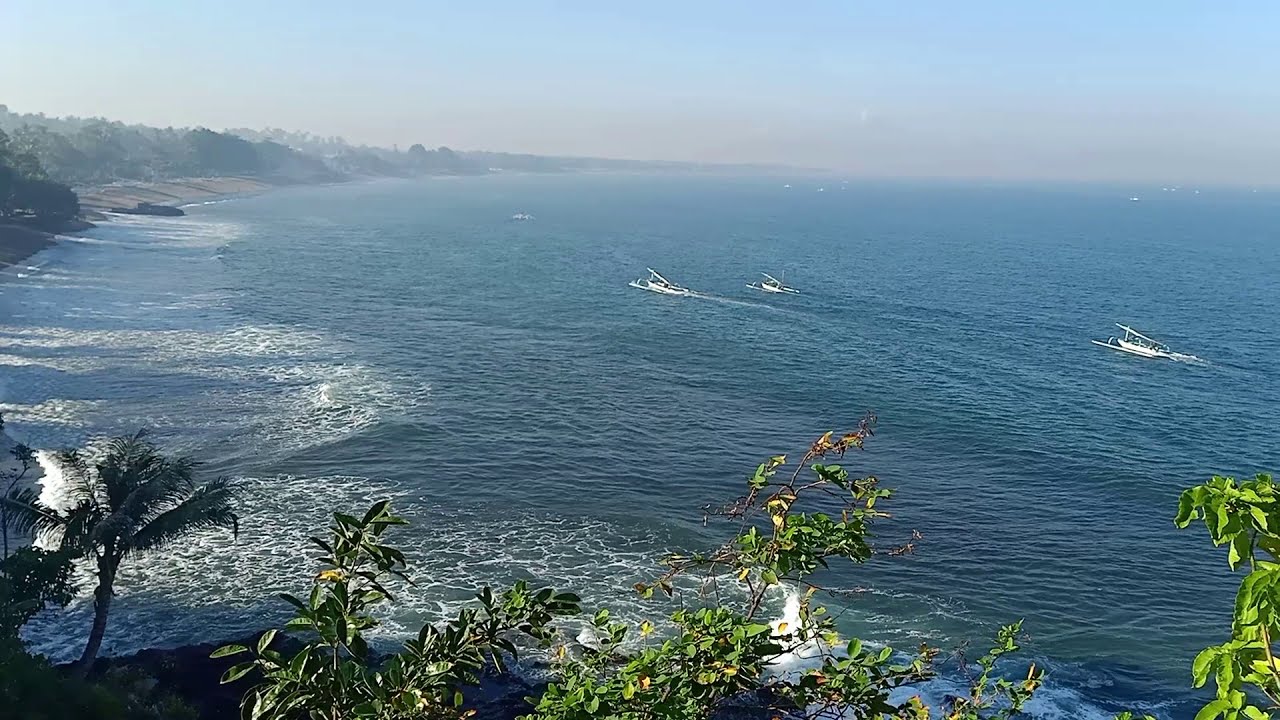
536, 417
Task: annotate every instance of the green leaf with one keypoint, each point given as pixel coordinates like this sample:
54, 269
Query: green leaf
769, 577
298, 623
1186, 509
1259, 517
235, 672
227, 650
1223, 520
265, 641
377, 509
1213, 710
1201, 665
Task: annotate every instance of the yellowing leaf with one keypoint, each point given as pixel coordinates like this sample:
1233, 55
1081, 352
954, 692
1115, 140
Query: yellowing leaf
742, 575
730, 671
777, 521
644, 682
782, 627
330, 576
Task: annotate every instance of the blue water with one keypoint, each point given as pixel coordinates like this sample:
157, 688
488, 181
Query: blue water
536, 417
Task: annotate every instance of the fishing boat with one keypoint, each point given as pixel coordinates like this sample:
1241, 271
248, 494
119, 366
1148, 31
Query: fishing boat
1135, 343
522, 216
656, 283
771, 284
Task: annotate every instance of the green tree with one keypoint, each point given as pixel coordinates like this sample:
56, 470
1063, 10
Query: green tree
40, 154
8, 178
128, 499
331, 677
215, 153
31, 579
1244, 516
45, 200
10, 480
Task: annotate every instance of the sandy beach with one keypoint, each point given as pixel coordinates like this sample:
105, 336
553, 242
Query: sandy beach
171, 192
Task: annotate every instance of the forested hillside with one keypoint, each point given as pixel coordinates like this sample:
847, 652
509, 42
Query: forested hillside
84, 152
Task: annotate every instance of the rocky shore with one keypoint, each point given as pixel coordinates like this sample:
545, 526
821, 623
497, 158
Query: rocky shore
19, 242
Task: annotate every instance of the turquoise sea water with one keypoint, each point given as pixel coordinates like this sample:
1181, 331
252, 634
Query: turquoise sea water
536, 417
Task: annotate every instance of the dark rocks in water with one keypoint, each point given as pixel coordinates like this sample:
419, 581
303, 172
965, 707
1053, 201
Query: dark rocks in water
146, 208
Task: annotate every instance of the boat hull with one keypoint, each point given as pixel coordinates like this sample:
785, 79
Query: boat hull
775, 290
1131, 349
653, 287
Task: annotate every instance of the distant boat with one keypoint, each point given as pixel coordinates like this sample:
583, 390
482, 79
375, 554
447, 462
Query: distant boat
1134, 199
656, 283
1135, 343
522, 216
822, 189
786, 186
771, 284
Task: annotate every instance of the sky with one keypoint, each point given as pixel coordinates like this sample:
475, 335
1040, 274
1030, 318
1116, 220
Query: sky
1168, 91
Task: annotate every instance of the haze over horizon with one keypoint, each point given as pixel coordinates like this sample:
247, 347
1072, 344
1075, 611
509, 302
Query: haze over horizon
1176, 92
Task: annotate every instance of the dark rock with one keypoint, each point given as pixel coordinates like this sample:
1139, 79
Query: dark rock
76, 225
146, 208
193, 676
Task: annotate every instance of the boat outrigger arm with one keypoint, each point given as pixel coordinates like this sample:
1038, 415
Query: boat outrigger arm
1130, 331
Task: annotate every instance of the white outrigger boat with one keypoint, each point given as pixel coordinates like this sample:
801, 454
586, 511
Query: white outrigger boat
771, 284
1135, 343
656, 283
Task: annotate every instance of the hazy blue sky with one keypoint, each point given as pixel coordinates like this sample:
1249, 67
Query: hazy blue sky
1168, 90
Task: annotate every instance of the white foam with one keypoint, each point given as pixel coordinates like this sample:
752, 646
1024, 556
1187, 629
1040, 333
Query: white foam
289, 389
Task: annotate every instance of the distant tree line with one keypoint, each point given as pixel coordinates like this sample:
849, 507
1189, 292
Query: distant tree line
96, 151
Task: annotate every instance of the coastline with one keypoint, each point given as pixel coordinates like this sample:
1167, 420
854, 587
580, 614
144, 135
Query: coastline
19, 242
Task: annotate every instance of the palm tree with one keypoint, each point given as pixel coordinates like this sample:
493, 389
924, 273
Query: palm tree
125, 500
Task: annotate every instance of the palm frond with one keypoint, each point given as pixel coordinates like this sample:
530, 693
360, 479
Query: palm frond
78, 529
78, 486
125, 462
207, 506
156, 485
27, 514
